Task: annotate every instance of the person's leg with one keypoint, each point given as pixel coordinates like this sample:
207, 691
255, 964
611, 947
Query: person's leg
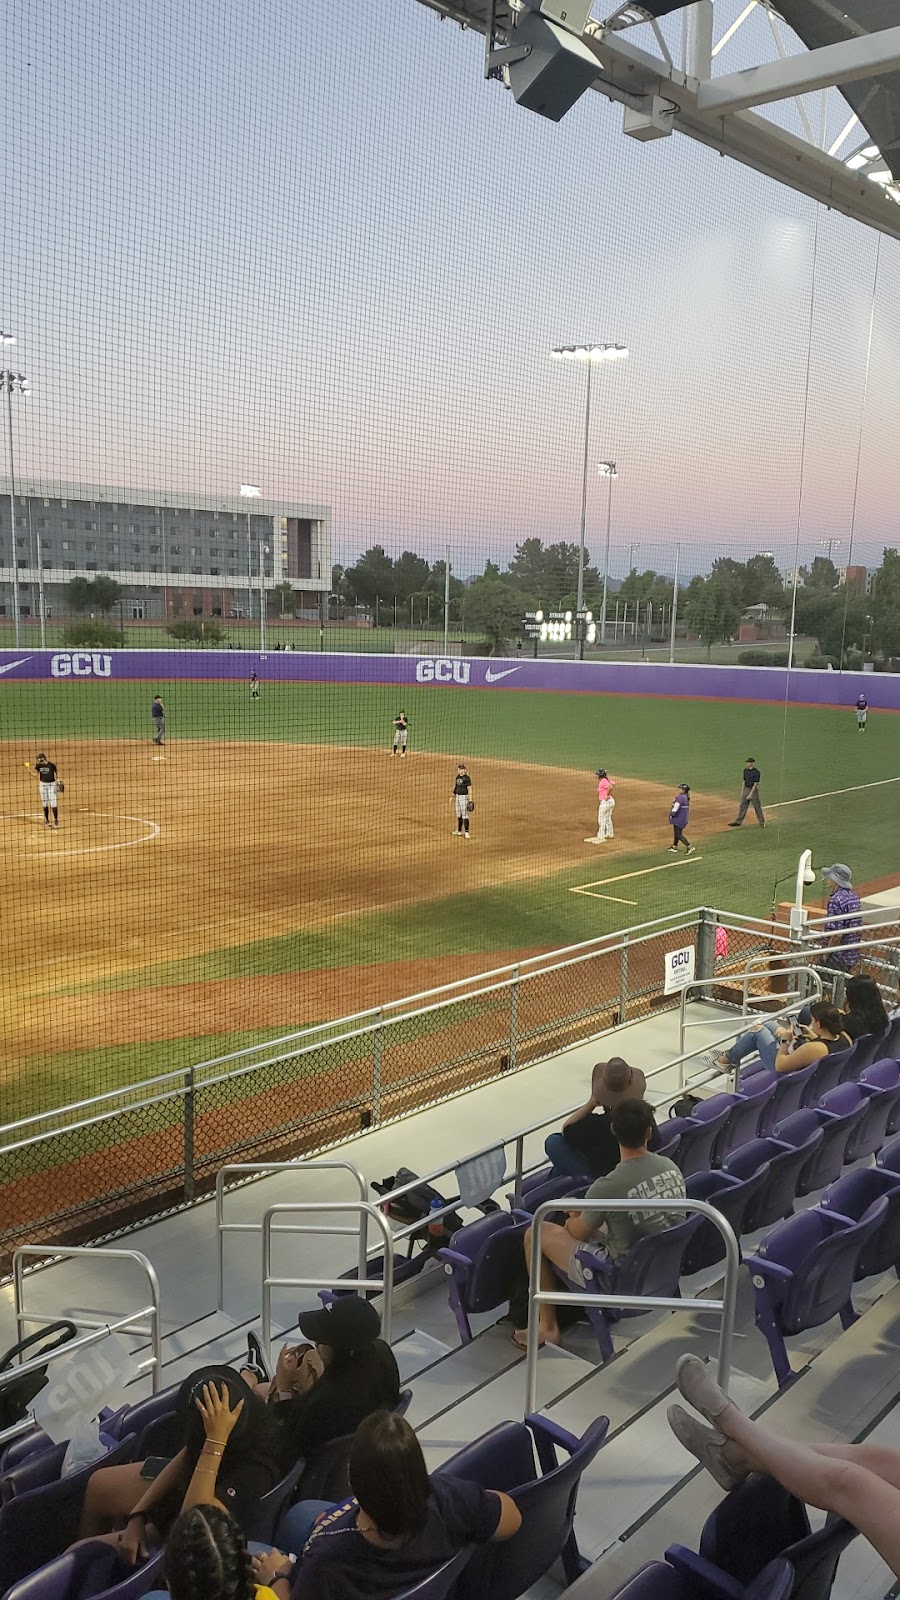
295, 1527
676, 835
860, 1483
757, 807
748, 1043
767, 1045
742, 810
556, 1247
565, 1158
111, 1494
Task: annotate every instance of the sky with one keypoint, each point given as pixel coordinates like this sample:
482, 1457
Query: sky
308, 247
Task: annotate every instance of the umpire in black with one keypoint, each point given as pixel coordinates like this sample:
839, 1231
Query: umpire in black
750, 794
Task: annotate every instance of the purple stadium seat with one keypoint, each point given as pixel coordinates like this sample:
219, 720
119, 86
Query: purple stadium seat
885, 1075
889, 1157
658, 1580
90, 1571
520, 1459
550, 1188
442, 1582
140, 1417
865, 1050
785, 1159
698, 1134
484, 1263
37, 1525
652, 1267
826, 1160
670, 1139
803, 1275
789, 1090
747, 1107
826, 1075
871, 1131
732, 1197
851, 1197
33, 1471
760, 1522
889, 1044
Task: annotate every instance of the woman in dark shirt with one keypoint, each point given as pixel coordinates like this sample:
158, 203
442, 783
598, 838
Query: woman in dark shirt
865, 1011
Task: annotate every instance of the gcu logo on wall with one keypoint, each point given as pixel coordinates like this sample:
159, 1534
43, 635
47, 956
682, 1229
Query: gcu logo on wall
80, 664
443, 671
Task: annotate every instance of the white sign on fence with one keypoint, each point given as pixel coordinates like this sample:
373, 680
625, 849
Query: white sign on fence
679, 968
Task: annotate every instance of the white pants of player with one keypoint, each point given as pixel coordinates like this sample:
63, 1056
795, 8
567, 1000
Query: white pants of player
861, 719
400, 739
48, 794
462, 807
604, 819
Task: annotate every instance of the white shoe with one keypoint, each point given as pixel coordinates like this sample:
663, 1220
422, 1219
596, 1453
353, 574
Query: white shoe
673, 849
467, 837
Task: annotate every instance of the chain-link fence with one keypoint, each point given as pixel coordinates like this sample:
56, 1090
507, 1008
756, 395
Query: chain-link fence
92, 1169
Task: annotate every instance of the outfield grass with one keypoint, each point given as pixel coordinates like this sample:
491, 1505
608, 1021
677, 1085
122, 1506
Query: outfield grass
802, 752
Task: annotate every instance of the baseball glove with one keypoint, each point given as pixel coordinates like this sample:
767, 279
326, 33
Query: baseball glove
470, 805
60, 788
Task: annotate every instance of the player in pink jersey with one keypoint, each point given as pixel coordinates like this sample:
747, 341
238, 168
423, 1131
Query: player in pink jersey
605, 805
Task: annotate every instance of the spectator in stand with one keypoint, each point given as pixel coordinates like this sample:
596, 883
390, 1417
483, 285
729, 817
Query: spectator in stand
351, 1373
398, 1528
844, 919
639, 1175
587, 1146
783, 1049
860, 1482
207, 1559
228, 1459
864, 1011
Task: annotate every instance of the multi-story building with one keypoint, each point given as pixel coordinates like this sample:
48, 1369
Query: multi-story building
173, 556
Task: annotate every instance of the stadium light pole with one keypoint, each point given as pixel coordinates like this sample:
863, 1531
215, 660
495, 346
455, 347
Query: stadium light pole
591, 354
249, 491
13, 383
607, 470
263, 552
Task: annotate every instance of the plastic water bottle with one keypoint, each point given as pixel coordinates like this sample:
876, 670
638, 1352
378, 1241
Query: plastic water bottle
436, 1225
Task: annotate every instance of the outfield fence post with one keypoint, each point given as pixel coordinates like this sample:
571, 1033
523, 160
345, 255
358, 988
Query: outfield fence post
189, 1134
513, 1017
623, 982
377, 1049
706, 943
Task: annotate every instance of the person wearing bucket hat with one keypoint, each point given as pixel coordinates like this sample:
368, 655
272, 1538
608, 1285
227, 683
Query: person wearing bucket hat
587, 1146
357, 1374
844, 918
228, 1458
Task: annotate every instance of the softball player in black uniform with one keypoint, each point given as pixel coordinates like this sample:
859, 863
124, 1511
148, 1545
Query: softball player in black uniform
48, 779
401, 734
462, 798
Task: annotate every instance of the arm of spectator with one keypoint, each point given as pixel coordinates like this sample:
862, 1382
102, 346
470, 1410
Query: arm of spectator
580, 1114
218, 1422
803, 1055
510, 1518
132, 1541
582, 1227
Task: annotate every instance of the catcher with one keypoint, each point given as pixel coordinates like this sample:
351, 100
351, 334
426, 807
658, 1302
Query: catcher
50, 786
463, 801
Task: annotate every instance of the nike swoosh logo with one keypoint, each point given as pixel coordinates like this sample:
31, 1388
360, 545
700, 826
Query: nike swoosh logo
10, 664
494, 677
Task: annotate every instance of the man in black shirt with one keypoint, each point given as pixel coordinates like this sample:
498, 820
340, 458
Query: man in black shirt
587, 1146
750, 795
461, 798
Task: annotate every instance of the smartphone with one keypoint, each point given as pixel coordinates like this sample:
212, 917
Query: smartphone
153, 1466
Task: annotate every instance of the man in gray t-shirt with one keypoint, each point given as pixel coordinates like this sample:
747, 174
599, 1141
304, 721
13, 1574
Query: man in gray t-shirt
639, 1176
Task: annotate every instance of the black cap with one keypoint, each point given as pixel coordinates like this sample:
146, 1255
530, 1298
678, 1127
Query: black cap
685, 788
600, 773
349, 1323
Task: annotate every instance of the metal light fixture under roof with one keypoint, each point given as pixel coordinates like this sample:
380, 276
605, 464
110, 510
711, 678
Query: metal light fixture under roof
589, 352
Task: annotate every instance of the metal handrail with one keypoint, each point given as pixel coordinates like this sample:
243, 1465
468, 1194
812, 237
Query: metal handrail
100, 1328
366, 1213
724, 1308
268, 1167
715, 983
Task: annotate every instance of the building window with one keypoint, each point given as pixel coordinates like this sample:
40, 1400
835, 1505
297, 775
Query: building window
155, 567
90, 544
114, 527
175, 567
196, 571
89, 527
175, 549
65, 544
47, 502
70, 522
154, 549
70, 566
90, 566
214, 572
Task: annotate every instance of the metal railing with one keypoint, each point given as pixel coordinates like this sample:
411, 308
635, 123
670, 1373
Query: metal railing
238, 1170
143, 1323
719, 982
366, 1213
724, 1308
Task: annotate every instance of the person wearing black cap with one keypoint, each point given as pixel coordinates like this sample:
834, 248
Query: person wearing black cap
679, 815
358, 1375
751, 780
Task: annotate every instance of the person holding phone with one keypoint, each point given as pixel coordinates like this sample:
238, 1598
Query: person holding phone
788, 1049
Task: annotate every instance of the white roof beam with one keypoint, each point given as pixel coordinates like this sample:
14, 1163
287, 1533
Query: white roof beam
866, 57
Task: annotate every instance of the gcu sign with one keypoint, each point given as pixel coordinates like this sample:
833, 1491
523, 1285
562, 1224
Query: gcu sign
679, 968
80, 664
443, 670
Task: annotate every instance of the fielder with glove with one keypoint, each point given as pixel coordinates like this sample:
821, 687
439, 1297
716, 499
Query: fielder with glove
49, 786
463, 801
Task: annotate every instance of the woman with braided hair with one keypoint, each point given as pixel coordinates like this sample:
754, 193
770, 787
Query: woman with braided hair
207, 1559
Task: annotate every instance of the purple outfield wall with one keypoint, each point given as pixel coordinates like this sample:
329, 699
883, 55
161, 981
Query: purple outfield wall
769, 684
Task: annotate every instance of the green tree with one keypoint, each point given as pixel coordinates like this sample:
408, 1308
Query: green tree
410, 575
822, 575
885, 605
284, 594
105, 593
549, 573
712, 608
761, 584
92, 635
79, 592
372, 577
494, 607
639, 585
197, 630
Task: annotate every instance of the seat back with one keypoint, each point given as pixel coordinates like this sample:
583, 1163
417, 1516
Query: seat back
789, 1090
889, 1157
759, 1521
851, 1197
871, 1132
775, 1198
33, 1471
440, 1583
730, 1196
546, 1501
37, 1525
889, 1043
826, 1075
493, 1247
823, 1283
746, 1111
699, 1133
826, 1158
885, 1075
864, 1052
262, 1521
653, 1265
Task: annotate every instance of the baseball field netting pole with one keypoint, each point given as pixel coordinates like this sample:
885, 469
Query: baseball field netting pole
13, 381
607, 470
447, 601
674, 606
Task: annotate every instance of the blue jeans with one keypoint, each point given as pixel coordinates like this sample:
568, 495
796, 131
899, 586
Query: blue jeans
295, 1527
565, 1157
762, 1039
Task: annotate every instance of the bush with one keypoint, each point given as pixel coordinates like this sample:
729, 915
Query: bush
819, 663
763, 658
92, 636
197, 630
